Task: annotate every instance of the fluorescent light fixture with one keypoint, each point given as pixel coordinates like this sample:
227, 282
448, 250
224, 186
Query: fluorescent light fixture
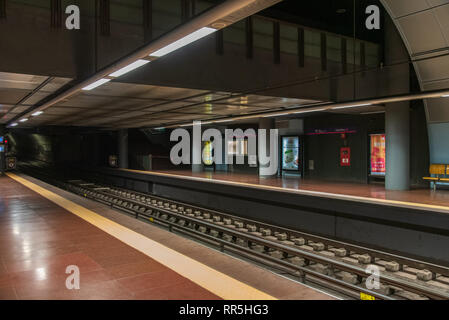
276, 115
160, 128
23, 120
194, 36
15, 124
304, 111
129, 67
445, 96
352, 106
225, 120
37, 113
96, 84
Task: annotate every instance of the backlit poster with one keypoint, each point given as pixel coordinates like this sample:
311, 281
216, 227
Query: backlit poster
290, 153
378, 154
207, 153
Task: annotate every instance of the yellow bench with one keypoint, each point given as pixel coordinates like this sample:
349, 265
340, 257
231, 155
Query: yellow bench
438, 173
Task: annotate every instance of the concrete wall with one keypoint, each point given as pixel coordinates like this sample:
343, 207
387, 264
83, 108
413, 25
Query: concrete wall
199, 66
31, 46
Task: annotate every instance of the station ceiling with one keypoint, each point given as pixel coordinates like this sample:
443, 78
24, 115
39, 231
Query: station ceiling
126, 105
18, 92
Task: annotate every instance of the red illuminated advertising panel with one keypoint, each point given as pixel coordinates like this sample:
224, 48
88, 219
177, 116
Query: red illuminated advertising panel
378, 154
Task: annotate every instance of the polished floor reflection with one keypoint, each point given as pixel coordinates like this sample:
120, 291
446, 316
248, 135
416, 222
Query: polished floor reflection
375, 191
38, 240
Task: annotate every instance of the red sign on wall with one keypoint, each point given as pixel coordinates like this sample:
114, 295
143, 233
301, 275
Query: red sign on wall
345, 157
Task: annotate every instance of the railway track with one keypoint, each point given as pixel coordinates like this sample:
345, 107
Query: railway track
333, 264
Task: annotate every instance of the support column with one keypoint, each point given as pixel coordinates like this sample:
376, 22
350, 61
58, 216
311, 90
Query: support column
122, 137
267, 124
397, 128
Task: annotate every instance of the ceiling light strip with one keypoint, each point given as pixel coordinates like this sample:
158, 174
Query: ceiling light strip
96, 84
194, 36
130, 67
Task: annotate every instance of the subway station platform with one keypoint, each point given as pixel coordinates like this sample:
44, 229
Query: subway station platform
356, 191
43, 230
364, 215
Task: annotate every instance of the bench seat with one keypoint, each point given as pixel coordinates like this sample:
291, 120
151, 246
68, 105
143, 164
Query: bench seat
438, 173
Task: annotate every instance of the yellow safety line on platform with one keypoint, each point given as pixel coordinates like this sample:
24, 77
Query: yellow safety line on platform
216, 282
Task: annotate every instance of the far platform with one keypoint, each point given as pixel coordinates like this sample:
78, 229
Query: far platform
321, 188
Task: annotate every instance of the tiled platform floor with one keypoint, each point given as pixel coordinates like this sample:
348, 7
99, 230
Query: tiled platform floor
38, 240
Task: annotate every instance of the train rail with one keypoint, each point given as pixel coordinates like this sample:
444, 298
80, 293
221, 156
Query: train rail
309, 258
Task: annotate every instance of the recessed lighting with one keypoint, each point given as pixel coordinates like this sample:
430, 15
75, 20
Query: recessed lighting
23, 120
128, 68
194, 36
96, 84
37, 113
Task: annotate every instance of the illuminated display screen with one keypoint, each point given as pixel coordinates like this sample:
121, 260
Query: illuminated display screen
377, 160
290, 153
207, 153
2, 149
2, 139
